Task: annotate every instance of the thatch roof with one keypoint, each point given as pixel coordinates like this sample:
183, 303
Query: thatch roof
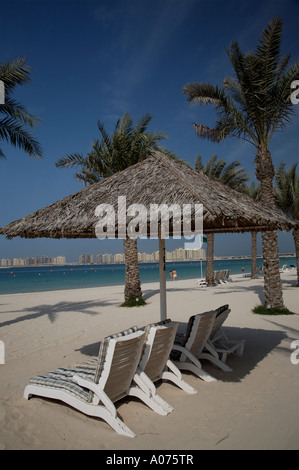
156, 180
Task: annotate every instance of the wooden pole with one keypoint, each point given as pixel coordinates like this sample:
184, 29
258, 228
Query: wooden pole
162, 274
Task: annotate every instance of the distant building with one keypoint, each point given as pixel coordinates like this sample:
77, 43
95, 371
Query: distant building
119, 258
44, 260
5, 263
18, 262
107, 258
99, 259
86, 259
30, 262
59, 260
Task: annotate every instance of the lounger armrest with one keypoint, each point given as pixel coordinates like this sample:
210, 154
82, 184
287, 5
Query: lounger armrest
209, 346
98, 392
173, 368
187, 353
143, 381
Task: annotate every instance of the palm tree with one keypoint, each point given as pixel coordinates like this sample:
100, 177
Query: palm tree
252, 106
255, 193
13, 115
287, 199
126, 146
231, 175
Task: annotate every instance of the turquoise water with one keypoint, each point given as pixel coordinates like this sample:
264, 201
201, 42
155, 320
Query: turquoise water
36, 279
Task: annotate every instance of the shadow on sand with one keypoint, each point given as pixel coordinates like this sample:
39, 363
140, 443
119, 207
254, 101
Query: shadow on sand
53, 310
259, 343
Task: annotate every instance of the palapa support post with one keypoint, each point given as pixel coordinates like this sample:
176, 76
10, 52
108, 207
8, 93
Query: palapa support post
162, 274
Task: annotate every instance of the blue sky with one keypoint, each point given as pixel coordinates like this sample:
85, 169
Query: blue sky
94, 60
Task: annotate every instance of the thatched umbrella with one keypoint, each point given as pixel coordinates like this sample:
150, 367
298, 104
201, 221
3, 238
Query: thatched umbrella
156, 180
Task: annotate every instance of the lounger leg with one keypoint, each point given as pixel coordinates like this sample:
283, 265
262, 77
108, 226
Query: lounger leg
215, 361
196, 370
194, 365
97, 411
153, 404
175, 376
146, 391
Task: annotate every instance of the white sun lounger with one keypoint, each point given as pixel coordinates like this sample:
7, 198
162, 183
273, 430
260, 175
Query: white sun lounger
284, 269
95, 392
227, 277
193, 346
155, 363
217, 277
219, 344
222, 277
188, 347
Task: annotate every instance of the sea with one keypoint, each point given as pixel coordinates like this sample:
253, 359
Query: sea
16, 280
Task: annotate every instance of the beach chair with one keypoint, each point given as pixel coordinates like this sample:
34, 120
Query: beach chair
227, 277
201, 282
216, 277
284, 269
246, 275
189, 345
94, 391
218, 342
155, 363
221, 277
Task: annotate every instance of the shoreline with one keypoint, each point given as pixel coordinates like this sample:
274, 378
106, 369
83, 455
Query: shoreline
150, 285
217, 258
40, 284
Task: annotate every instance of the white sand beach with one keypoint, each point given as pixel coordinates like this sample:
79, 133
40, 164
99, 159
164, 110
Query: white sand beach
253, 407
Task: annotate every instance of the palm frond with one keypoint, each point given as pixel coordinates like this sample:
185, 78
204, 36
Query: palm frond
73, 159
15, 134
231, 174
13, 125
204, 93
14, 72
287, 190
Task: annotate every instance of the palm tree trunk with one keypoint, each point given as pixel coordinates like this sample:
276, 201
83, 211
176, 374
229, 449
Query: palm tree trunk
253, 254
296, 240
210, 260
132, 282
272, 280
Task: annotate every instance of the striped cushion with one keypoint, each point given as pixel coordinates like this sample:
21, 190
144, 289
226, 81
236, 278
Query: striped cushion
149, 326
103, 350
221, 309
181, 339
102, 355
188, 330
63, 379
91, 364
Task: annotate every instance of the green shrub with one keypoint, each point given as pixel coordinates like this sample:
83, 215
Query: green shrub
133, 302
264, 310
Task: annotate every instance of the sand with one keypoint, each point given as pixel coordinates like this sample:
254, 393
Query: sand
253, 407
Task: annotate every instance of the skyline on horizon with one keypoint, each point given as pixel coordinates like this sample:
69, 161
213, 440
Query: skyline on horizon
95, 60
